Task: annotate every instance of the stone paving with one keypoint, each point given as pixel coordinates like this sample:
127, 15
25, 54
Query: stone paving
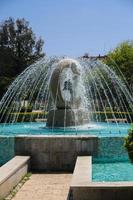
53, 186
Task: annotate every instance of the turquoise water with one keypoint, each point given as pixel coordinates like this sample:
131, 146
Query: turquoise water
110, 138
100, 129
110, 146
112, 171
6, 149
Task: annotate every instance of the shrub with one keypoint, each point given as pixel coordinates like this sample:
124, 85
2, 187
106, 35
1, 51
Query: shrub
26, 109
128, 143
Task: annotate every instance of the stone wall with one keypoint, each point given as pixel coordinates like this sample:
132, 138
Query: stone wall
55, 153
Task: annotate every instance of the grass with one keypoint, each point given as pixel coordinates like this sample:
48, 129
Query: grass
110, 112
30, 113
18, 186
45, 113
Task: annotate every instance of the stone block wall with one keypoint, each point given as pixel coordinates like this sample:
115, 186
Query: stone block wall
55, 153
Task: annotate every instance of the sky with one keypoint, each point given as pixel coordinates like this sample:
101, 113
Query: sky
75, 27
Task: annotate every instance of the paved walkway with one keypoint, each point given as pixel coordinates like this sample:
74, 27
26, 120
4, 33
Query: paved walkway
45, 187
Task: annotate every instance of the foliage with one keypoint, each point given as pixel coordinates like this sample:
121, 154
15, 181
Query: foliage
26, 109
27, 117
100, 115
4, 82
19, 48
122, 57
128, 143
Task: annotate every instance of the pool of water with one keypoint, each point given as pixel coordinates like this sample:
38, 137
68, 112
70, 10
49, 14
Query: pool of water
112, 171
100, 129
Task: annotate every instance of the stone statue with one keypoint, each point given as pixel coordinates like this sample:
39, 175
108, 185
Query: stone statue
66, 88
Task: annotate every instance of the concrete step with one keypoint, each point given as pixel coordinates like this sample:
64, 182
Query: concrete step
11, 173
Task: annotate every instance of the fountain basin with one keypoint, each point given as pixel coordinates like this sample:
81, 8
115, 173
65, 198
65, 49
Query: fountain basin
84, 188
112, 171
100, 129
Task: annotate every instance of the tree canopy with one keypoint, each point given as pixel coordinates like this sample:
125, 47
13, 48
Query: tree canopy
122, 57
19, 48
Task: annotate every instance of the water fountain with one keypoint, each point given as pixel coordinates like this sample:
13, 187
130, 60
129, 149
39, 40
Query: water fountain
67, 96
80, 94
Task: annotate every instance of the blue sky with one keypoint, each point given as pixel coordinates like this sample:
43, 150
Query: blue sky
75, 27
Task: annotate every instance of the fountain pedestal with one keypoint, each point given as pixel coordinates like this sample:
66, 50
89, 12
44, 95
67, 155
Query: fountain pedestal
65, 118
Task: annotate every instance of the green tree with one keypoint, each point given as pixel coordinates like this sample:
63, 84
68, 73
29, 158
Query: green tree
19, 48
122, 57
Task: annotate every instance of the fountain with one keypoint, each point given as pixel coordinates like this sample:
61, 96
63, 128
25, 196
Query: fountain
71, 94
58, 96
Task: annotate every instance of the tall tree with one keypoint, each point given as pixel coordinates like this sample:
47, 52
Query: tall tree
122, 57
19, 48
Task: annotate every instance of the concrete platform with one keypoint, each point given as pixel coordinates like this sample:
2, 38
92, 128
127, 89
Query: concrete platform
49, 186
